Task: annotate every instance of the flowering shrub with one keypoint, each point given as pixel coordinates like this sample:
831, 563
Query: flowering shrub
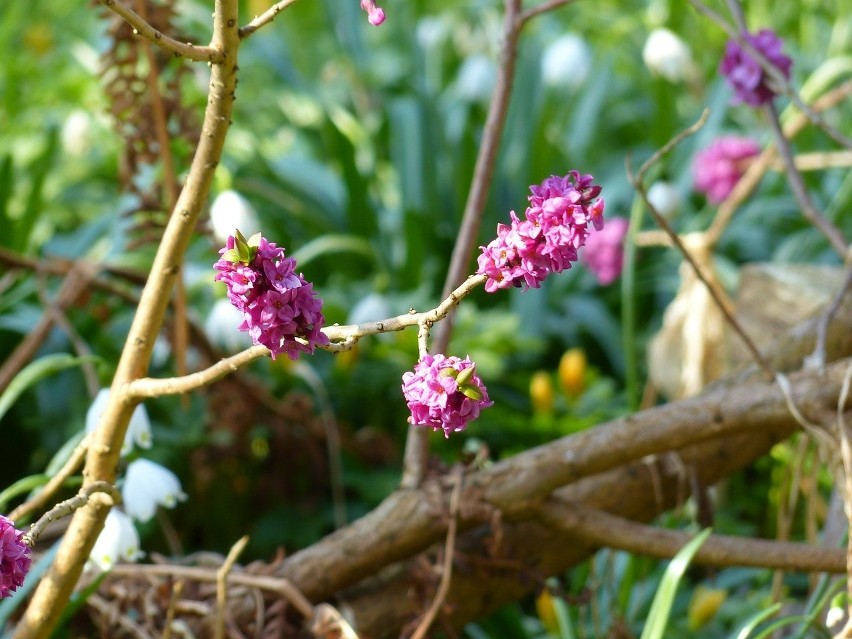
14, 557
744, 73
717, 169
556, 224
604, 251
444, 393
280, 308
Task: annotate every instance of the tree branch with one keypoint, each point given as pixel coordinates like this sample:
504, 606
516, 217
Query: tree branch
264, 18
178, 49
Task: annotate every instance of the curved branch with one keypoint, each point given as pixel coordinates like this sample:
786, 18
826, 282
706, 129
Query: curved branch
264, 18
601, 529
178, 49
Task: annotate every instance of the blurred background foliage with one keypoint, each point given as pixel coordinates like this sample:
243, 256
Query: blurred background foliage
355, 146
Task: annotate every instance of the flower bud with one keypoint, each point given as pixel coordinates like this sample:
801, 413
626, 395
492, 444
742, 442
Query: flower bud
572, 372
541, 392
666, 55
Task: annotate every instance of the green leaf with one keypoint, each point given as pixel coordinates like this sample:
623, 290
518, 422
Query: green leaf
35, 372
20, 487
658, 617
756, 620
470, 391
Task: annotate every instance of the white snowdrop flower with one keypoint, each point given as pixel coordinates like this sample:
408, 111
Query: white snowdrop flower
118, 541
148, 485
665, 54
138, 430
566, 62
221, 327
431, 31
230, 211
664, 197
834, 616
76, 135
476, 78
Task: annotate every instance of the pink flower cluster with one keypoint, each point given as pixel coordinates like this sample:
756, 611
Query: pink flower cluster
604, 251
556, 224
280, 309
375, 14
717, 169
14, 557
444, 393
745, 74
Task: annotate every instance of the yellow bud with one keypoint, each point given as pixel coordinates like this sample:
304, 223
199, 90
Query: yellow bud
547, 612
541, 392
572, 372
704, 605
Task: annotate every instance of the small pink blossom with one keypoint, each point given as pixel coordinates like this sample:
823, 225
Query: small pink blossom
444, 393
375, 14
717, 169
14, 558
603, 254
280, 308
744, 73
561, 214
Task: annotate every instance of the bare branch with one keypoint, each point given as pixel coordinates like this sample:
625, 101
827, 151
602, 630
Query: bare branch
222, 586
598, 528
166, 43
264, 18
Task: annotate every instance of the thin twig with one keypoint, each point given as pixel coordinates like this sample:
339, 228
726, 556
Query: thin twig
264, 18
779, 82
43, 497
817, 358
222, 586
637, 182
416, 455
544, 7
449, 552
65, 508
166, 43
598, 528
846, 456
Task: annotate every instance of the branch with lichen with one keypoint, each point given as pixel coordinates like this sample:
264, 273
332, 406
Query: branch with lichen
178, 49
54, 591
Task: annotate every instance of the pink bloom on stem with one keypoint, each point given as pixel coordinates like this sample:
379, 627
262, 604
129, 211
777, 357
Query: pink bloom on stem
744, 73
375, 14
444, 393
14, 557
280, 308
562, 212
717, 169
603, 254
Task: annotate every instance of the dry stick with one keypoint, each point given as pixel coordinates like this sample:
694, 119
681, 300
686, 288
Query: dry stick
158, 108
817, 358
598, 528
416, 456
43, 497
343, 337
107, 610
778, 80
277, 585
846, 456
449, 552
54, 591
141, 27
177, 591
75, 284
264, 18
222, 586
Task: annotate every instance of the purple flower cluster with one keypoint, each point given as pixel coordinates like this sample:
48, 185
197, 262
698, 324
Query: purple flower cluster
444, 393
556, 224
14, 557
745, 74
604, 251
717, 169
375, 14
280, 309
